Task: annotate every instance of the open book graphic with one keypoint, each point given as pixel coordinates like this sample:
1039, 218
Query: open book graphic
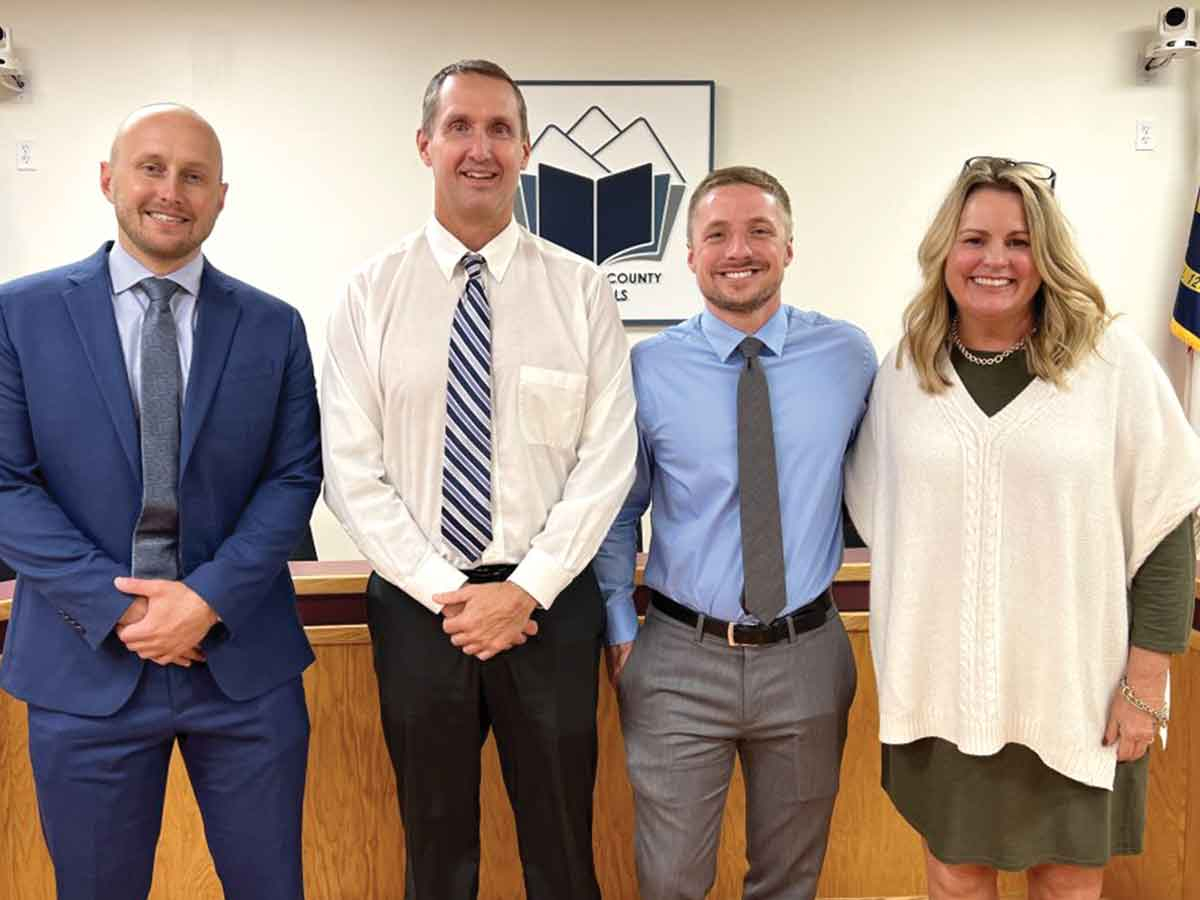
617, 202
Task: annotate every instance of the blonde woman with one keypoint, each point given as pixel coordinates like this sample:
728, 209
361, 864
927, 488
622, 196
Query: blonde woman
1025, 479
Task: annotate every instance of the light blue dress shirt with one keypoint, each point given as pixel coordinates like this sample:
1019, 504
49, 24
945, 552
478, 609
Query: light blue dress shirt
130, 304
819, 372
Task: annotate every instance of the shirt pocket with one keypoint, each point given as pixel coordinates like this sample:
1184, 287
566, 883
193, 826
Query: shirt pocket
550, 404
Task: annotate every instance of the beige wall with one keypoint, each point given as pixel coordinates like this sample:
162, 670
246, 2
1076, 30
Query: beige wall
865, 109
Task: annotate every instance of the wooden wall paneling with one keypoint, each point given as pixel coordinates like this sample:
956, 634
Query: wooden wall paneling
500, 862
25, 869
182, 867
353, 843
353, 837
731, 851
1187, 696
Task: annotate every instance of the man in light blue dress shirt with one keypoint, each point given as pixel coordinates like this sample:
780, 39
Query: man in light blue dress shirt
703, 679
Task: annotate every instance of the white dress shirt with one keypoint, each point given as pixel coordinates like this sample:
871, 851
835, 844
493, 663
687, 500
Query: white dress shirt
563, 439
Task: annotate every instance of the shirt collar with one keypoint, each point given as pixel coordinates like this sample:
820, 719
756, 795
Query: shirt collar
725, 339
448, 250
126, 271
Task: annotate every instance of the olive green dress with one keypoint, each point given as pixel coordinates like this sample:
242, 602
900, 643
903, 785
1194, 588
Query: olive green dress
1010, 810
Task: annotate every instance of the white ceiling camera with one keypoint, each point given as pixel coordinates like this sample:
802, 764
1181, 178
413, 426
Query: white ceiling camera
1176, 37
12, 76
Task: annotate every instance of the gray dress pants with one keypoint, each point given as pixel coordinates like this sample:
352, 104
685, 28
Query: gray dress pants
689, 702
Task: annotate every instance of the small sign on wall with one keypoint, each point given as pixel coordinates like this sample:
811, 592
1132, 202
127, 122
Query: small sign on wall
610, 173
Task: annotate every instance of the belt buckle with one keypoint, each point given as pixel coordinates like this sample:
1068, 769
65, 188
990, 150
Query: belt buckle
729, 637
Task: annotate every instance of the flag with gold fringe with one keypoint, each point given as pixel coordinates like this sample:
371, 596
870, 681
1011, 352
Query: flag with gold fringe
1185, 325
1185, 321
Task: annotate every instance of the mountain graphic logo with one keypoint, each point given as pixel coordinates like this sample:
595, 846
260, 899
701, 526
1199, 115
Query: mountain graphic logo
607, 192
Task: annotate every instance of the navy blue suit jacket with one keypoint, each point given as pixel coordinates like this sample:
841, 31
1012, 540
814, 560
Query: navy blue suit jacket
71, 487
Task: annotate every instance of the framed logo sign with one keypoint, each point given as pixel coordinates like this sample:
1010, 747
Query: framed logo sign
610, 173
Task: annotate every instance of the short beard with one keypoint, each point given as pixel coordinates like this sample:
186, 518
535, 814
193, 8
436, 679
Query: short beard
751, 305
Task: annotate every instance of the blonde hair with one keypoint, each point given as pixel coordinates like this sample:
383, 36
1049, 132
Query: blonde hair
1069, 309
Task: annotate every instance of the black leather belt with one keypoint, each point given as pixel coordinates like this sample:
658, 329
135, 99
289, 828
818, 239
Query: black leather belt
488, 574
805, 619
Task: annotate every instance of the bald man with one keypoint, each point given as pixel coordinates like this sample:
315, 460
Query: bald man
160, 458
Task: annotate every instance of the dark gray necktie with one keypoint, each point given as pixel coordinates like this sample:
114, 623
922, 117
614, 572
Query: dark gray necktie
156, 537
765, 590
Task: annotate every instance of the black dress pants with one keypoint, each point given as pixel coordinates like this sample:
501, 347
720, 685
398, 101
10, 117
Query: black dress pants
437, 705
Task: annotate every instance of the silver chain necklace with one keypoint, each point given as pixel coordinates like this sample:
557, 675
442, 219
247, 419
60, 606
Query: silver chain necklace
987, 360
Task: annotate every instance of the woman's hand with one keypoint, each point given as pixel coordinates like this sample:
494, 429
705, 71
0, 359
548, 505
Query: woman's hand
1129, 728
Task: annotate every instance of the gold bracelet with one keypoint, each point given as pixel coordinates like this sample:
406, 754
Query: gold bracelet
1160, 716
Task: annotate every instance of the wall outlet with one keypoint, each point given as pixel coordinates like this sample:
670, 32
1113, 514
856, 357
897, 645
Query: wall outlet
25, 160
1145, 135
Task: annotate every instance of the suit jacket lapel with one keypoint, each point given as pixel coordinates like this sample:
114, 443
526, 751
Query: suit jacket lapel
217, 313
90, 305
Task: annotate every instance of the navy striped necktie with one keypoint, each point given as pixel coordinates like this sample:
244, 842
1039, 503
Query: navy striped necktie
467, 467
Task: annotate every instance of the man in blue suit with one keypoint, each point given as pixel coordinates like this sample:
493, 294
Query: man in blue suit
159, 421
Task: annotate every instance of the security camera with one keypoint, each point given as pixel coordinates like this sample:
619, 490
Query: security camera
1176, 23
12, 75
1176, 37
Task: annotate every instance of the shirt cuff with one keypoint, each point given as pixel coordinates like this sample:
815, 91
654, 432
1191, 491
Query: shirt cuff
433, 576
622, 622
541, 577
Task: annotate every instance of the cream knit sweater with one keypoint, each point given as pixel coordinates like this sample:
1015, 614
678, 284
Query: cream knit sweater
1002, 549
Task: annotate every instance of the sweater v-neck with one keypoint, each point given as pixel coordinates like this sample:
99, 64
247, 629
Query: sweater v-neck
1026, 401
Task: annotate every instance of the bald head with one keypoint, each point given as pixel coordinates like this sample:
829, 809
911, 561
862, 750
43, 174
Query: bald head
164, 179
167, 111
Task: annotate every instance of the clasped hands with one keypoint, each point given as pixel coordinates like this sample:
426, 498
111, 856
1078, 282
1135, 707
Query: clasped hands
165, 622
485, 619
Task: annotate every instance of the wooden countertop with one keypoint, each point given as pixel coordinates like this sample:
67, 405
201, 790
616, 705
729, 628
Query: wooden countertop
349, 578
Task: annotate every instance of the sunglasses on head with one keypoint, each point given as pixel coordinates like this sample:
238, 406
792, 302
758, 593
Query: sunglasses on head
1040, 171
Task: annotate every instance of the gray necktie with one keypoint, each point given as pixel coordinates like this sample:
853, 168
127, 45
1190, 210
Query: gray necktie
765, 590
156, 537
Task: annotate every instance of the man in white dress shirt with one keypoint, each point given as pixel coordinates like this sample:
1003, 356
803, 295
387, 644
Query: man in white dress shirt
478, 417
